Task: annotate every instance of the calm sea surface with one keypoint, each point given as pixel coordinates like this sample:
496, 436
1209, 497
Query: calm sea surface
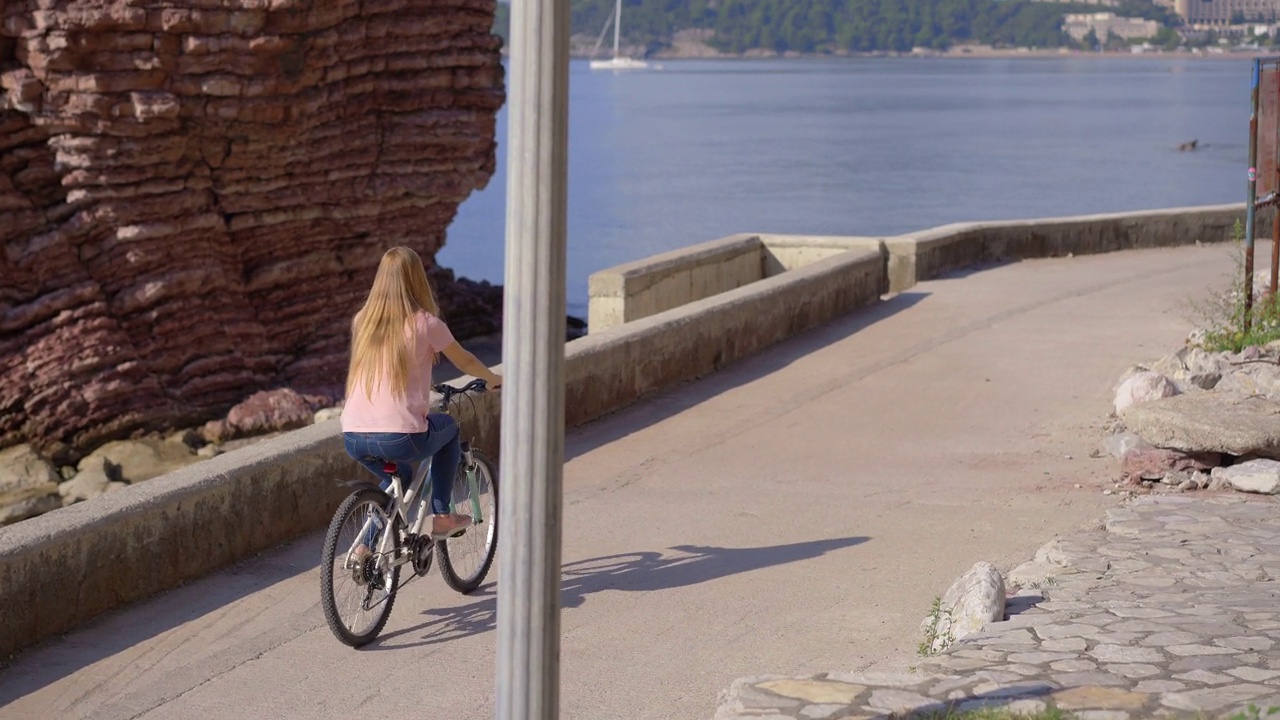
703, 149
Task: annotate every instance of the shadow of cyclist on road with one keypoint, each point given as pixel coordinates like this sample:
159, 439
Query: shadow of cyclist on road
638, 571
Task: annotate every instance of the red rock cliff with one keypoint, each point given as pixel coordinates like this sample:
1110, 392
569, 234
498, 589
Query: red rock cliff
194, 194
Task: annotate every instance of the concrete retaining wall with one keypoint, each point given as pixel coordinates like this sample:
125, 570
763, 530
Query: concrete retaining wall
647, 287
632, 291
930, 253
742, 294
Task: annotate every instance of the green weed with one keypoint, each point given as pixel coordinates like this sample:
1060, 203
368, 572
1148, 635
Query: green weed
1226, 325
938, 628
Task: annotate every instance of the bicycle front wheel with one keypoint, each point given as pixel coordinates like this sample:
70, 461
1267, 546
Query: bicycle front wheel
466, 559
357, 586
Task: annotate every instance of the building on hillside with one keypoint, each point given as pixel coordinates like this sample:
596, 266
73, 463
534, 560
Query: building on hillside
1227, 12
1104, 25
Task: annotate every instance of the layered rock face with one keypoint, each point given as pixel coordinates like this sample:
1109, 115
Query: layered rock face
195, 194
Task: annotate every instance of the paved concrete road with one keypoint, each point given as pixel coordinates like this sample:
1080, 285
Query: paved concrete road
795, 514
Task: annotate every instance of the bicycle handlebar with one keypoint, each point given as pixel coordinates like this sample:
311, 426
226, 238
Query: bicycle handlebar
448, 392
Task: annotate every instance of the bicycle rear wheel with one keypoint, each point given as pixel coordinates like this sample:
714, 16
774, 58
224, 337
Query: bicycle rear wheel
466, 559
357, 593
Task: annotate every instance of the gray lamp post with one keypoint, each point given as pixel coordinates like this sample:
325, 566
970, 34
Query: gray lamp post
532, 449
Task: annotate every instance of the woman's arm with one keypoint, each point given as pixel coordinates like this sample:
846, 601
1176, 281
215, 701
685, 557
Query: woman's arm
471, 365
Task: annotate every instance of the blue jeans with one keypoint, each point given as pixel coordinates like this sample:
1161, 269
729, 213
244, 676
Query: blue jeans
373, 450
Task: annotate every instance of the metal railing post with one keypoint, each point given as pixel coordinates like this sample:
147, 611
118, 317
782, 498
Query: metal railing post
1250, 208
532, 446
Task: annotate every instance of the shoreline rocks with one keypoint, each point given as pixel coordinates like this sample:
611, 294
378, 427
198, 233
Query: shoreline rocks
265, 412
1197, 419
28, 485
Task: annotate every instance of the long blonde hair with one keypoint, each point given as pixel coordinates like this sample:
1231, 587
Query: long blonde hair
382, 337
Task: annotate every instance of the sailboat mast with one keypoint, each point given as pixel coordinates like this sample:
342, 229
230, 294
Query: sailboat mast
617, 26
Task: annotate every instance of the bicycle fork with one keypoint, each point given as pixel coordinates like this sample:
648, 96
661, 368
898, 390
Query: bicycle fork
473, 486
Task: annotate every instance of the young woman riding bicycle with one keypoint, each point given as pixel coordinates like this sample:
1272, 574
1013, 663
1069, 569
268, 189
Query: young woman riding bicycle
396, 338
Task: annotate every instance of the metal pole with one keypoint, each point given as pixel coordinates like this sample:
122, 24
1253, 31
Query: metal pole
1250, 210
1275, 213
532, 446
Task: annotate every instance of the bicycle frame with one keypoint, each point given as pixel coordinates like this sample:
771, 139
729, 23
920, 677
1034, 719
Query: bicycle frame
402, 501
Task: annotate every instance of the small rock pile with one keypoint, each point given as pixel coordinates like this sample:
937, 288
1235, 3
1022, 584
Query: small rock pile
1201, 420
30, 486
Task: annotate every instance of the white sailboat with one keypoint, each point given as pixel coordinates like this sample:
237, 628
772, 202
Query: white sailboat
618, 61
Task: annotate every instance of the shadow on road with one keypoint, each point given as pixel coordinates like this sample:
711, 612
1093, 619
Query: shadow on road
628, 572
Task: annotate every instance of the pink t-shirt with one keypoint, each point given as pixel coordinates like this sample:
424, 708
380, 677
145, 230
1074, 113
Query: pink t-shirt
385, 413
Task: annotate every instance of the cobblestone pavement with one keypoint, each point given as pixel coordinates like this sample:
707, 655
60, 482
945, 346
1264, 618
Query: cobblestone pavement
1173, 609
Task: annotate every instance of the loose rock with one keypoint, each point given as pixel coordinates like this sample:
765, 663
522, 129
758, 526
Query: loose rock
1192, 368
1255, 476
21, 469
136, 460
1218, 422
973, 601
23, 504
1152, 463
265, 412
86, 486
1253, 379
1143, 387
327, 414
1119, 444
28, 485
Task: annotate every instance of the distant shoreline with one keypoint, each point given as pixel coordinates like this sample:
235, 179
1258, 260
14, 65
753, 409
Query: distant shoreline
703, 52
977, 55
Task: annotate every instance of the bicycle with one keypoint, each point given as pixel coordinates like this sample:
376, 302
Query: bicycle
366, 514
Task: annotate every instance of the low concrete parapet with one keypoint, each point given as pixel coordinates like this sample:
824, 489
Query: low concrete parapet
919, 256
633, 291
636, 290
